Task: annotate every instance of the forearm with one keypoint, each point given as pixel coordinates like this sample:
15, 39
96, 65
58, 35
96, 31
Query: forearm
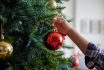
79, 40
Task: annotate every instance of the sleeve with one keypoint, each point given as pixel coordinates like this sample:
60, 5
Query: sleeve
91, 55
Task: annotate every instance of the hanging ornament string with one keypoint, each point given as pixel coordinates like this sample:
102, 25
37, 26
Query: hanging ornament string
2, 31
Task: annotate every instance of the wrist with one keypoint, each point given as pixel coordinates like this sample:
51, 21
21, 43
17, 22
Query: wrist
70, 30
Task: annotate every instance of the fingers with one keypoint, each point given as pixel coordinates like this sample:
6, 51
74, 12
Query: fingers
53, 24
54, 27
57, 22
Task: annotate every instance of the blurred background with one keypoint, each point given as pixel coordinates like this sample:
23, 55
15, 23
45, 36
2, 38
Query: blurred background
88, 20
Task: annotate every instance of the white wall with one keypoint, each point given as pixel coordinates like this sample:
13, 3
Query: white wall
90, 10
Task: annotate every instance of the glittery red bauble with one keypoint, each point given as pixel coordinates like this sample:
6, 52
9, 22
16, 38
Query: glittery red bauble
53, 40
76, 62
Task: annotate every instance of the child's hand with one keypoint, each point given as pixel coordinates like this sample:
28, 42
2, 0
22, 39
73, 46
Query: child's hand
60, 25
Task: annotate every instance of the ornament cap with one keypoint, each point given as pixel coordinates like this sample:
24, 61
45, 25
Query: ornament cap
2, 37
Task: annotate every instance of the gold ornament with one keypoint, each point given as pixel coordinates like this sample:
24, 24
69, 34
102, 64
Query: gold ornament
53, 3
6, 49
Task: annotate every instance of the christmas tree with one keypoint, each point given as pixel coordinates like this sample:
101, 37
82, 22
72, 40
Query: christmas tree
24, 23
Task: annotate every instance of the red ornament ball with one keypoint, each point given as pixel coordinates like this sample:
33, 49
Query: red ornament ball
75, 62
53, 40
